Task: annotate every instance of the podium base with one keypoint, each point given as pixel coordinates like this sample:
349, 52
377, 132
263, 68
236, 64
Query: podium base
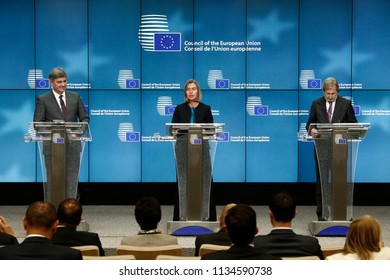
83, 226
329, 228
191, 228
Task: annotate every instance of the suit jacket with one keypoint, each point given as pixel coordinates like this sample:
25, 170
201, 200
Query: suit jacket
47, 108
239, 253
149, 240
68, 236
342, 113
182, 114
285, 243
38, 248
218, 238
7, 239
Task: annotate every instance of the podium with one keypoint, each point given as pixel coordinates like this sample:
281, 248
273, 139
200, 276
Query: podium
336, 148
194, 147
61, 145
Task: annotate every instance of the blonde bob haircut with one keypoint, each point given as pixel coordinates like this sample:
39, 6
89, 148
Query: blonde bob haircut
363, 238
199, 97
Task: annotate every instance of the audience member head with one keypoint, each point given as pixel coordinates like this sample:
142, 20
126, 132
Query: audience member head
363, 237
41, 218
148, 213
282, 208
241, 224
69, 212
225, 209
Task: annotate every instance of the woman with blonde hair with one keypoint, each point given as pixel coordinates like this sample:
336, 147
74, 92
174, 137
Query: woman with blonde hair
363, 241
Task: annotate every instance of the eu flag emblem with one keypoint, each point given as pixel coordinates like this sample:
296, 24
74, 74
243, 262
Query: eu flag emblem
168, 42
314, 83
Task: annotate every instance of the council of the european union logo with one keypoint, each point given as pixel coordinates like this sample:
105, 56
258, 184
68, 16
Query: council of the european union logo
42, 84
165, 106
260, 110
35, 79
126, 80
222, 83
169, 110
126, 133
132, 136
154, 34
222, 136
314, 83
215, 80
132, 84
170, 41
255, 108
305, 76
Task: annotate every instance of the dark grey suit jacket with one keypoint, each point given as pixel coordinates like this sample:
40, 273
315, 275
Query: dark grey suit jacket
47, 108
342, 113
68, 236
239, 253
38, 248
7, 239
286, 243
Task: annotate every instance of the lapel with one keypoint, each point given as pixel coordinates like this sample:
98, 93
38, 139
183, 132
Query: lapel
337, 108
323, 109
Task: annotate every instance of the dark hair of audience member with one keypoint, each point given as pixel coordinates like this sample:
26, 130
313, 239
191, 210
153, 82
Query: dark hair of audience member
148, 213
241, 224
41, 214
283, 207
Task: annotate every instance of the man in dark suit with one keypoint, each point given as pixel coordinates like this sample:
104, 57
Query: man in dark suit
40, 223
241, 228
7, 235
330, 108
218, 238
69, 216
59, 104
282, 241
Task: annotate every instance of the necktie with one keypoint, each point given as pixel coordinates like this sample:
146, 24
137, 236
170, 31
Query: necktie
330, 111
63, 108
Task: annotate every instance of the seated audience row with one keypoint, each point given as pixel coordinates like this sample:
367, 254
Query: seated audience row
50, 233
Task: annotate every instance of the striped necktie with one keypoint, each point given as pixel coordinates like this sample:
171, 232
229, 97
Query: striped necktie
63, 108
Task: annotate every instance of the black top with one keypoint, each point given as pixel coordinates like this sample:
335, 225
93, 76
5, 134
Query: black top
182, 114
